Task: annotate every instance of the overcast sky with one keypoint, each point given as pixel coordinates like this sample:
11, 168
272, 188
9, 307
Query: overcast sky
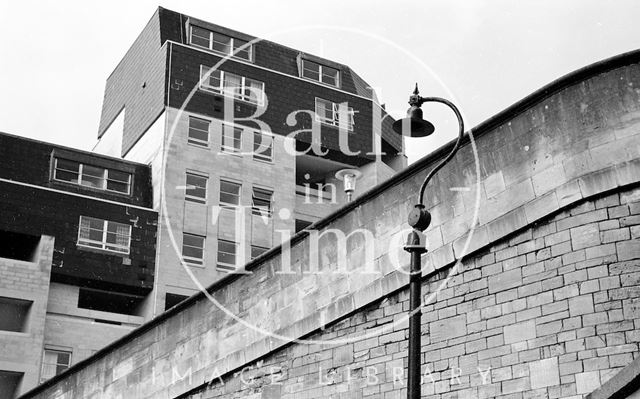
483, 55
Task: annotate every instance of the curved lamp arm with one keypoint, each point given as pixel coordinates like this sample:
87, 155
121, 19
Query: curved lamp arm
453, 150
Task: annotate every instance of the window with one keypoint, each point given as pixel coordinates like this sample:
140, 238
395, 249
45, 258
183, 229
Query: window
222, 43
54, 362
104, 234
15, 313
231, 139
229, 194
262, 147
332, 114
257, 251
109, 301
198, 131
171, 300
92, 176
193, 248
236, 86
226, 255
196, 188
321, 73
261, 202
9, 383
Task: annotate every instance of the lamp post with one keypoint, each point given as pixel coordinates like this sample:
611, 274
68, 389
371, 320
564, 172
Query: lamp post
419, 219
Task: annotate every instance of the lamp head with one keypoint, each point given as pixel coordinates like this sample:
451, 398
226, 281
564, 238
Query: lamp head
414, 124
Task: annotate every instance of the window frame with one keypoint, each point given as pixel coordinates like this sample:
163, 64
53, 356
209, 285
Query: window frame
224, 266
104, 178
257, 210
260, 156
335, 112
205, 84
263, 250
190, 259
196, 141
232, 44
193, 198
44, 353
223, 204
103, 245
224, 147
321, 68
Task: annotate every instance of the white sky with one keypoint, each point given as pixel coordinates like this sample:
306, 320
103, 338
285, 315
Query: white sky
56, 55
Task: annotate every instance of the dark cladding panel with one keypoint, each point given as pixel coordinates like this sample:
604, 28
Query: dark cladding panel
37, 212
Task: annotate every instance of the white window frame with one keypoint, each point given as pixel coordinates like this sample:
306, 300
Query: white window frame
258, 211
227, 204
223, 266
105, 176
335, 112
194, 198
205, 75
231, 149
232, 44
104, 245
189, 259
194, 140
320, 73
260, 156
43, 378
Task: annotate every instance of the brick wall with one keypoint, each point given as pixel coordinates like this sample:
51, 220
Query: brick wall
571, 142
22, 351
549, 312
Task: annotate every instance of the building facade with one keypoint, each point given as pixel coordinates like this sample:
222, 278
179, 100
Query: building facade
77, 258
244, 136
531, 282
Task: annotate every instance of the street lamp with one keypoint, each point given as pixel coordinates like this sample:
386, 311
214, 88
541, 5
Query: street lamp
348, 177
419, 219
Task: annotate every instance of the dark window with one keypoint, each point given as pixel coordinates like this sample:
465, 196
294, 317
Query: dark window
257, 251
198, 131
221, 43
229, 193
226, 255
171, 300
14, 314
261, 202
262, 146
196, 188
9, 382
321, 73
301, 225
107, 301
18, 246
193, 248
92, 176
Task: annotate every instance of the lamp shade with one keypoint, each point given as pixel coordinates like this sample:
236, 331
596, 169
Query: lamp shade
414, 124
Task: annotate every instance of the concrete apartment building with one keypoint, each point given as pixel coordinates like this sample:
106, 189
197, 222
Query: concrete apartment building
184, 173
77, 257
219, 114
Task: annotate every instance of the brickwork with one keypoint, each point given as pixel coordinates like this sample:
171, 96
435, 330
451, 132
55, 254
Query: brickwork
534, 315
22, 351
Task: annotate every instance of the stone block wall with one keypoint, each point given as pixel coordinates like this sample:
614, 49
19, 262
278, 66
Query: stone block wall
552, 311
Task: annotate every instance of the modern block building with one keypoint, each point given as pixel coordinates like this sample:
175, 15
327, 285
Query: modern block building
543, 302
77, 258
244, 137
213, 147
